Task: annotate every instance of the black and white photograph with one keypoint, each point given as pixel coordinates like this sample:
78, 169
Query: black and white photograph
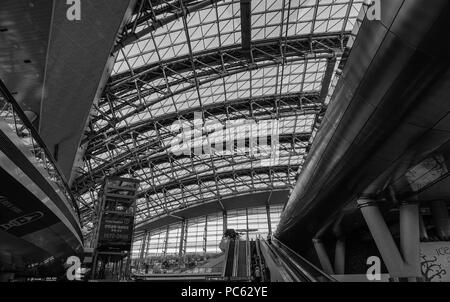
224, 148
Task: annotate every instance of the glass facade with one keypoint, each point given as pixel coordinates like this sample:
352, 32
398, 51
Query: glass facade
275, 213
214, 232
202, 235
195, 235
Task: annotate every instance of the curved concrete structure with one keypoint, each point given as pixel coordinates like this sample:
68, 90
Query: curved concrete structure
391, 96
37, 221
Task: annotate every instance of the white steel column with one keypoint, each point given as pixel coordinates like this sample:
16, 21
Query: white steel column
382, 236
323, 256
339, 256
441, 219
410, 239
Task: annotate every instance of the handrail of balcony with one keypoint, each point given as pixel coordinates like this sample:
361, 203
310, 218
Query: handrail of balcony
11, 112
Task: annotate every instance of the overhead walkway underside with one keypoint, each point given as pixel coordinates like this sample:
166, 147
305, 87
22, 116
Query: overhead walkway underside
57, 67
388, 118
39, 223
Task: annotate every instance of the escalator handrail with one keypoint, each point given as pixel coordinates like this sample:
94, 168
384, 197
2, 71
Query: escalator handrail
312, 268
236, 257
248, 256
258, 252
278, 259
226, 258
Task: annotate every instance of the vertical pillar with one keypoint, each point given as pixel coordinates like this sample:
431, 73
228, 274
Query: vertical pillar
269, 223
147, 245
246, 223
339, 256
423, 229
410, 239
205, 234
224, 221
181, 245
323, 256
339, 251
166, 241
128, 266
441, 219
382, 237
143, 246
185, 239
121, 272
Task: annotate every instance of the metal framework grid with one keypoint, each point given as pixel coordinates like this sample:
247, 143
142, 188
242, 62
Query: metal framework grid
176, 58
203, 234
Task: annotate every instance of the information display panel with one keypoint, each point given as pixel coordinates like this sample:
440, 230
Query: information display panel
116, 231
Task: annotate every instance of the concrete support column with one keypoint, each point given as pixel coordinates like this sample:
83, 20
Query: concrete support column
339, 256
423, 229
382, 237
323, 256
410, 239
441, 219
339, 251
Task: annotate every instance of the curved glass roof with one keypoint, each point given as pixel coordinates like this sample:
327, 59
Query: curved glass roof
180, 62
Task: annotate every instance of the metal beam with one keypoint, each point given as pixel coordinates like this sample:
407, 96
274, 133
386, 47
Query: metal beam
195, 178
154, 25
192, 211
232, 59
268, 49
246, 25
297, 101
95, 176
327, 78
162, 89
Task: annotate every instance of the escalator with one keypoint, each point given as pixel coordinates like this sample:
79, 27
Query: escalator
242, 266
281, 264
237, 261
229, 260
268, 261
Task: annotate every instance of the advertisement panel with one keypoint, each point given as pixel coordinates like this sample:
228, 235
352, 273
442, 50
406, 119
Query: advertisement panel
116, 231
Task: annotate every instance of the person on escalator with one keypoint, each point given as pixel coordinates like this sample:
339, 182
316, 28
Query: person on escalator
257, 274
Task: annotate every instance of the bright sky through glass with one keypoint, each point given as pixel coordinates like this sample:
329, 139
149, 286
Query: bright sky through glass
176, 70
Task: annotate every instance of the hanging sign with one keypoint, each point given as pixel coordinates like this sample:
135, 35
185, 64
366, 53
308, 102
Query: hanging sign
116, 231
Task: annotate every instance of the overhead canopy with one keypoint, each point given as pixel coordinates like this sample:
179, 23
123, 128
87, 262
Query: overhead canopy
185, 63
76, 70
55, 67
24, 35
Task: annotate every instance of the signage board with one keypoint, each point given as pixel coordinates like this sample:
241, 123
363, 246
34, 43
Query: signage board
425, 173
116, 231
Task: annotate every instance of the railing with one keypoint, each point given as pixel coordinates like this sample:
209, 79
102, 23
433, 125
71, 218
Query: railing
177, 271
307, 268
205, 270
18, 122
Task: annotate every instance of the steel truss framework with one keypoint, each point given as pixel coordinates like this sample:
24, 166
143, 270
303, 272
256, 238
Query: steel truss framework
179, 58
